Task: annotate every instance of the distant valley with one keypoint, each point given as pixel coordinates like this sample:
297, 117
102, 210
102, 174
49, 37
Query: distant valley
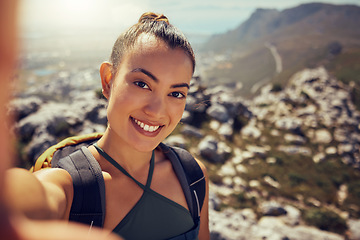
272, 45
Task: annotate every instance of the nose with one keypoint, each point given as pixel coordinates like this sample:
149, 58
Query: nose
155, 107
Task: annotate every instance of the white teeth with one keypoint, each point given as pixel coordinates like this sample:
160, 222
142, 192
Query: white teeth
146, 127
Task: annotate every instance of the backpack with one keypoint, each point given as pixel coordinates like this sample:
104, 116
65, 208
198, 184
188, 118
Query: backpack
88, 204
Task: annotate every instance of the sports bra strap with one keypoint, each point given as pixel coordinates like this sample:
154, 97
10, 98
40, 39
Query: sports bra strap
118, 166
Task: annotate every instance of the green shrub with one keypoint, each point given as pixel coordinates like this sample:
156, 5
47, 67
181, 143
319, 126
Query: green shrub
325, 220
296, 179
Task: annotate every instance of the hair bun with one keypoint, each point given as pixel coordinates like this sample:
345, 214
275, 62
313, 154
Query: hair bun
150, 16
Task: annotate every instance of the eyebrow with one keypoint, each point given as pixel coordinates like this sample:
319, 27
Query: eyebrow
180, 85
149, 74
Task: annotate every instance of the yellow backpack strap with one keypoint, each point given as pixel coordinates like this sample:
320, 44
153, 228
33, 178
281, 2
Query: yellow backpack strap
44, 161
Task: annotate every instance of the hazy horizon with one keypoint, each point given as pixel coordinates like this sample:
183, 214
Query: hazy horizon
191, 16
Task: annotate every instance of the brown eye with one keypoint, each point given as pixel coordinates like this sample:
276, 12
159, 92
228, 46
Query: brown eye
141, 84
177, 95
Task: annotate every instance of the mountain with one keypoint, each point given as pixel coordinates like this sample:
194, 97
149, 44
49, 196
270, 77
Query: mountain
272, 45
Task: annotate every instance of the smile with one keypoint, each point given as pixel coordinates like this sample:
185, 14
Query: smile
145, 127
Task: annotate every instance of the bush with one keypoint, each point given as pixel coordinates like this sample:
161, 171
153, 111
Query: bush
295, 179
325, 220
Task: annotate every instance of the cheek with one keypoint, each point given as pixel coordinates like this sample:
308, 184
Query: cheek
176, 112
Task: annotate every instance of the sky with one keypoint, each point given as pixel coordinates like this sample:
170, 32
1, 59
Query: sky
191, 16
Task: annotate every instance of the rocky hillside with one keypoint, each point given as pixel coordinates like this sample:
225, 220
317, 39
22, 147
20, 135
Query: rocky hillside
272, 45
284, 165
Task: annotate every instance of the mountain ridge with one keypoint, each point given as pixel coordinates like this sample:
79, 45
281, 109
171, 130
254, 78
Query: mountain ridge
303, 36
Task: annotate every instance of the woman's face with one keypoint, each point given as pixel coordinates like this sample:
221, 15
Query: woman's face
147, 96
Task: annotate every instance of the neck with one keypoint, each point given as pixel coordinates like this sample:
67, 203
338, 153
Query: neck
130, 158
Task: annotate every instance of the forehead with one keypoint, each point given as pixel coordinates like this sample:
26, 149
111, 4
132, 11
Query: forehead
152, 52
147, 44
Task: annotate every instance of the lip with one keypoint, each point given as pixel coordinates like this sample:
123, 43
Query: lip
143, 131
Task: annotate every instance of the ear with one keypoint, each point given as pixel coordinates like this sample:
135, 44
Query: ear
106, 77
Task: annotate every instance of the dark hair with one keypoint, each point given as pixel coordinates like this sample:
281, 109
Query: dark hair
154, 24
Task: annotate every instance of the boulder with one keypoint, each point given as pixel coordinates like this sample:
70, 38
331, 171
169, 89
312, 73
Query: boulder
226, 130
213, 151
176, 140
292, 216
250, 131
218, 112
22, 107
354, 229
272, 208
322, 136
191, 131
39, 144
288, 123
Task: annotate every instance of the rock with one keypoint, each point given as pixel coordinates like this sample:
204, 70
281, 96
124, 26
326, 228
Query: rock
294, 139
38, 145
227, 170
22, 107
194, 104
241, 168
269, 180
254, 183
88, 127
231, 224
273, 228
212, 150
354, 229
208, 149
322, 136
331, 150
92, 107
218, 112
340, 135
239, 182
260, 151
272, 208
176, 140
186, 117
271, 160
250, 132
191, 131
214, 201
226, 130
342, 194
54, 117
292, 216
295, 150
345, 148
288, 123
319, 157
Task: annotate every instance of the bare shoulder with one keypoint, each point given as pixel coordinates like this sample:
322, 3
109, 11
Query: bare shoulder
54, 175
48, 174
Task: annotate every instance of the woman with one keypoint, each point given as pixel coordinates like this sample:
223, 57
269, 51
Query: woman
146, 83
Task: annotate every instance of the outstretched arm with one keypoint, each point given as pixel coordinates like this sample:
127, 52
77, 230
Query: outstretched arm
45, 194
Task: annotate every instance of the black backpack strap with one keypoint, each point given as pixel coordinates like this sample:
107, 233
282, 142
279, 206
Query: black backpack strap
89, 188
191, 178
